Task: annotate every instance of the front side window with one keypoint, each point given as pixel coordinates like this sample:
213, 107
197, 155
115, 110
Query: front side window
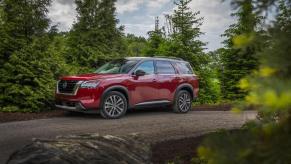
184, 68
165, 67
147, 67
120, 66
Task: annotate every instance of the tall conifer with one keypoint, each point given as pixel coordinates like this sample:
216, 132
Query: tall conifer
95, 36
238, 62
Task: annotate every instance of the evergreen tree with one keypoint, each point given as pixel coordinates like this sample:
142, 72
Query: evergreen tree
29, 66
1, 13
186, 24
156, 39
135, 45
95, 35
184, 43
238, 62
28, 80
21, 21
266, 140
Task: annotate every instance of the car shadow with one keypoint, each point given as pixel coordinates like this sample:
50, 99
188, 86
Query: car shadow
130, 112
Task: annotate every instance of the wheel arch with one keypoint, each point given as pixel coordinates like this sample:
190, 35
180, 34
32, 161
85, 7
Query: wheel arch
187, 87
118, 88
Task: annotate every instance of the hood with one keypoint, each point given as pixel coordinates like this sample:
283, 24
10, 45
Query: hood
92, 76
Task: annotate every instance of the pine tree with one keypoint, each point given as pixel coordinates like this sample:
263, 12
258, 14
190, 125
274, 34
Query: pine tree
95, 35
21, 21
187, 25
185, 43
239, 61
29, 66
185, 38
135, 45
1, 14
156, 39
265, 140
278, 54
28, 80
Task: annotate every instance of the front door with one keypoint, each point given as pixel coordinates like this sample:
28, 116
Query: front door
144, 88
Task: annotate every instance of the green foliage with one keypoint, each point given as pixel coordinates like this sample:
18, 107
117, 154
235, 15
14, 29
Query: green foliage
19, 24
255, 144
154, 43
262, 6
184, 43
1, 14
33, 57
239, 57
95, 36
268, 139
186, 26
136, 46
30, 59
28, 78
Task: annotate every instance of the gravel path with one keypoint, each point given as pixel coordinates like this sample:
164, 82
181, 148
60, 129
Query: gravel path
152, 125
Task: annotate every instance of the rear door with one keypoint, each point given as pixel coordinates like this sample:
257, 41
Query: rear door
167, 79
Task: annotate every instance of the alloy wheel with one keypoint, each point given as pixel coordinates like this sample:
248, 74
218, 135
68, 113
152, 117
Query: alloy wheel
184, 102
114, 106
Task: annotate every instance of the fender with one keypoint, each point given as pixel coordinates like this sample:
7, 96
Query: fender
119, 88
185, 85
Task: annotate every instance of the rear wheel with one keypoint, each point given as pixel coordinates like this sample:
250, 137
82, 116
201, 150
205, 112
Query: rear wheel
183, 102
114, 105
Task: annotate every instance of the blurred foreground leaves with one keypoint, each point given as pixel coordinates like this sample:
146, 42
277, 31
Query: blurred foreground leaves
267, 140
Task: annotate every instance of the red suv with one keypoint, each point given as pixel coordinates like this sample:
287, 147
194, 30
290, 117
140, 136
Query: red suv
130, 83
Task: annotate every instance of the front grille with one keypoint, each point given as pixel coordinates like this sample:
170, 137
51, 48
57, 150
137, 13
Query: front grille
67, 86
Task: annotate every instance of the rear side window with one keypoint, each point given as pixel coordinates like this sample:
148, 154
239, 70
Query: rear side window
165, 67
184, 68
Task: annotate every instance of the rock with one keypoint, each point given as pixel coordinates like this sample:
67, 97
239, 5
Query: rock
85, 149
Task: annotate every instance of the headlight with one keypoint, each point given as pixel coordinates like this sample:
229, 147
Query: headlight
90, 84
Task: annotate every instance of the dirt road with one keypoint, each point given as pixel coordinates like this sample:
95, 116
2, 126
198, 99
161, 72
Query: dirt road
152, 125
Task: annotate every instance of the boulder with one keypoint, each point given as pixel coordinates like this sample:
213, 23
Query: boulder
85, 149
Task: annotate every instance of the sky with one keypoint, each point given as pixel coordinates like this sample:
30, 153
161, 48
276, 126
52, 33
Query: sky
138, 16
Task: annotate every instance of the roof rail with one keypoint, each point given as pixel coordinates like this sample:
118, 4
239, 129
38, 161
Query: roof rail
169, 57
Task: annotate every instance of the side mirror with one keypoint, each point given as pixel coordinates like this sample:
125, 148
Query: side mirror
139, 73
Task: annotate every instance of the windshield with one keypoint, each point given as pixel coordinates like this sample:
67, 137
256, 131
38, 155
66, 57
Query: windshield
121, 66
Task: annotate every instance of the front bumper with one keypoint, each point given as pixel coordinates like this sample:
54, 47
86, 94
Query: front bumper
73, 106
70, 105
85, 99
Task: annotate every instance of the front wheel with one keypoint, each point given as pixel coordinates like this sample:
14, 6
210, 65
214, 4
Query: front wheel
114, 105
183, 102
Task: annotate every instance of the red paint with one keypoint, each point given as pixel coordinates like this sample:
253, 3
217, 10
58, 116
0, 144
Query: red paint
140, 88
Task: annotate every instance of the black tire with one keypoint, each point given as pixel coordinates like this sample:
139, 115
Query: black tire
114, 105
181, 106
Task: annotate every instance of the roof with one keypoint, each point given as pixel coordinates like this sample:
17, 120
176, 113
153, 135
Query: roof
157, 58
